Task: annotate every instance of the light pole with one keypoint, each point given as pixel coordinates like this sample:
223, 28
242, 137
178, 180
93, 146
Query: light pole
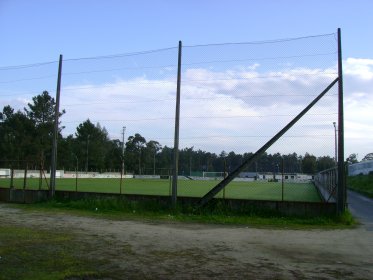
123, 132
76, 172
190, 164
155, 151
122, 171
335, 142
86, 162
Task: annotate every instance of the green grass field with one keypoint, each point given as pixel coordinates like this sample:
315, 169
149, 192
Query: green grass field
236, 190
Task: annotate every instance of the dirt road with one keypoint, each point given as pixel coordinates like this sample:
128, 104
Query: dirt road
194, 251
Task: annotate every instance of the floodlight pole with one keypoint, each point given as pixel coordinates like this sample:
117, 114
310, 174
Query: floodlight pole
175, 170
76, 172
335, 142
341, 189
86, 162
55, 134
122, 171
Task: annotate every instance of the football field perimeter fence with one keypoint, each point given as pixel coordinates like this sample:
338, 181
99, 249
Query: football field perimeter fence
230, 119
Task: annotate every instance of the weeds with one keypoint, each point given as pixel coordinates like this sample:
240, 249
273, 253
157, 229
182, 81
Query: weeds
218, 212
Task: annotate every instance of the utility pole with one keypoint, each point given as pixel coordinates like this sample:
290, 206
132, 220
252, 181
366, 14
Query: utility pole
123, 132
335, 142
122, 171
86, 162
177, 122
55, 134
341, 189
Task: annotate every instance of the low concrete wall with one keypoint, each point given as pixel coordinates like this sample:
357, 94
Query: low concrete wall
283, 207
23, 196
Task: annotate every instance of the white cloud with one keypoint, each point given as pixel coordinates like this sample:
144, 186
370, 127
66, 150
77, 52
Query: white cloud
360, 68
233, 109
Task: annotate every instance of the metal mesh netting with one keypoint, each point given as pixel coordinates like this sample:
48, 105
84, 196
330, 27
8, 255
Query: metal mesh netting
234, 98
134, 90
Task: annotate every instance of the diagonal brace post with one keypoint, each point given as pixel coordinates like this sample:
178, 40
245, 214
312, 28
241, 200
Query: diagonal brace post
215, 190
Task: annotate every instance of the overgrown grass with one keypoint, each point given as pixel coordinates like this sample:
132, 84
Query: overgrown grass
29, 253
362, 184
218, 213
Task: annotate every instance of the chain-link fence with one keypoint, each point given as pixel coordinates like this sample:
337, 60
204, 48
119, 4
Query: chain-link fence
119, 123
235, 97
24, 174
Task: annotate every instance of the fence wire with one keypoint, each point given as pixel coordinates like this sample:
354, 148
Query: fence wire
234, 98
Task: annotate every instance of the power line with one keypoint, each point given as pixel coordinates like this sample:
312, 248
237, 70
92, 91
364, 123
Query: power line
197, 63
119, 102
202, 117
187, 99
262, 42
71, 88
263, 77
120, 68
28, 79
16, 67
260, 58
243, 136
121, 55
21, 66
185, 81
26, 92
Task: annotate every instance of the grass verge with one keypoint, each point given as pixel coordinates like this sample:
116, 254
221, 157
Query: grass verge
29, 253
218, 213
362, 184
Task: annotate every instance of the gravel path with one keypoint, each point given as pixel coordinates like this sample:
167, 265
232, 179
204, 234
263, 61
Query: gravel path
194, 251
362, 208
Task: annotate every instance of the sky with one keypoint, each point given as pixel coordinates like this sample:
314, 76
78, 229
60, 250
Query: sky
139, 91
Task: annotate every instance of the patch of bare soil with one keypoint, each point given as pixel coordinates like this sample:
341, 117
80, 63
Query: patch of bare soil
135, 249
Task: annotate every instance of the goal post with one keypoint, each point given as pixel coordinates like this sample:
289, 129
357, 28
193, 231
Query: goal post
212, 174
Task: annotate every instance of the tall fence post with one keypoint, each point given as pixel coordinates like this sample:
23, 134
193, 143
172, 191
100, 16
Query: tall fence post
55, 134
341, 202
282, 179
40, 174
11, 184
177, 122
25, 177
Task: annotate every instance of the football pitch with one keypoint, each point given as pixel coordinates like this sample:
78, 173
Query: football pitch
256, 190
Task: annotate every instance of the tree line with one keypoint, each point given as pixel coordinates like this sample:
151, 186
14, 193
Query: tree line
26, 138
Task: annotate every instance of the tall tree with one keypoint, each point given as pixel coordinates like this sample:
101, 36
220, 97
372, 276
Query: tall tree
92, 145
368, 157
324, 163
309, 164
134, 148
151, 151
42, 113
16, 136
352, 158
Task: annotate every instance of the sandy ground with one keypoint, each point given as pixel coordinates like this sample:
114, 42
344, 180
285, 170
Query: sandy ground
193, 251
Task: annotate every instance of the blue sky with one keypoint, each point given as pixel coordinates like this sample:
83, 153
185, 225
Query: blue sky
34, 31
38, 31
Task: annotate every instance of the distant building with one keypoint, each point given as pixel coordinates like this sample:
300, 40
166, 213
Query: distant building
364, 167
298, 177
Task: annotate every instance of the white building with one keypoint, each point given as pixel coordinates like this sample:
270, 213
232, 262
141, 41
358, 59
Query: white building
363, 167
